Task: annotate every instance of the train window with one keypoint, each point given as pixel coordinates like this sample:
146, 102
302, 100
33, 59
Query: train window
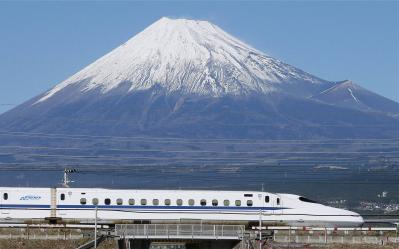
155, 202
203, 202
62, 197
167, 202
226, 203
5, 196
131, 202
107, 201
83, 201
191, 202
179, 202
267, 199
143, 202
119, 201
214, 202
307, 200
278, 201
250, 203
238, 203
248, 195
94, 201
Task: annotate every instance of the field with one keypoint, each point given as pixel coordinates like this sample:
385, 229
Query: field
344, 173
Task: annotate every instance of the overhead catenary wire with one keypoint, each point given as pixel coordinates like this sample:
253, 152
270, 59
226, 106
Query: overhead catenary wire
119, 158
185, 140
107, 148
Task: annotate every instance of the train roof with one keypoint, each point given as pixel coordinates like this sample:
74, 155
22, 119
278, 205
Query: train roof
141, 190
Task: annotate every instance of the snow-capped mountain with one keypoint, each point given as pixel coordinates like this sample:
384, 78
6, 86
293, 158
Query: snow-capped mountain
188, 56
189, 78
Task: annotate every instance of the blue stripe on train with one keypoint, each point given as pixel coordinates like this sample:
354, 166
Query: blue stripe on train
170, 207
3, 206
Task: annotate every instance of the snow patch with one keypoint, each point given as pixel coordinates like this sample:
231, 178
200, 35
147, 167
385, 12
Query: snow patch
186, 55
353, 96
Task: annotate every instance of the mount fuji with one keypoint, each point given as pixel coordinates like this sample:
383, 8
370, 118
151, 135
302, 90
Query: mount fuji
189, 78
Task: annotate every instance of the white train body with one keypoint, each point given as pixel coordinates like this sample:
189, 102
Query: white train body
77, 205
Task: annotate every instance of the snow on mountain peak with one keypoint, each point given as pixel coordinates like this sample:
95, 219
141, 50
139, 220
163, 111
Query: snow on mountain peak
189, 56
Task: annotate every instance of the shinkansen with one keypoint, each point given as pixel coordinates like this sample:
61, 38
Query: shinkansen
166, 206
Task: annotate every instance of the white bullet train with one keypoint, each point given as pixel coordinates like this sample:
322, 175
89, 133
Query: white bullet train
78, 205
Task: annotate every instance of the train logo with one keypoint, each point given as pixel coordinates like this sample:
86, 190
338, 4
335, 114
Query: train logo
30, 198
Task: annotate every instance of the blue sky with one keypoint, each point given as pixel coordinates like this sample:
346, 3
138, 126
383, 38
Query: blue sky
44, 42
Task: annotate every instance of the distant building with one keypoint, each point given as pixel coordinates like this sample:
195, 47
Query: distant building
384, 194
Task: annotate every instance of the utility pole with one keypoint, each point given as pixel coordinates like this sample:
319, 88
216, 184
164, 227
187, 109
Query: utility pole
95, 227
66, 180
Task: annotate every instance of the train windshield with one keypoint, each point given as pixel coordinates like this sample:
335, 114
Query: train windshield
304, 199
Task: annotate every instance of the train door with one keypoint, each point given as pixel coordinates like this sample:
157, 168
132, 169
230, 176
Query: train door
278, 204
3, 200
1, 204
268, 203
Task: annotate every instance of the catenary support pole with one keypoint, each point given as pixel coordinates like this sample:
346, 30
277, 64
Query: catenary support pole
325, 235
95, 227
260, 229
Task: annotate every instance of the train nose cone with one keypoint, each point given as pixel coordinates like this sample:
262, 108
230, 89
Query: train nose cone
345, 218
355, 218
